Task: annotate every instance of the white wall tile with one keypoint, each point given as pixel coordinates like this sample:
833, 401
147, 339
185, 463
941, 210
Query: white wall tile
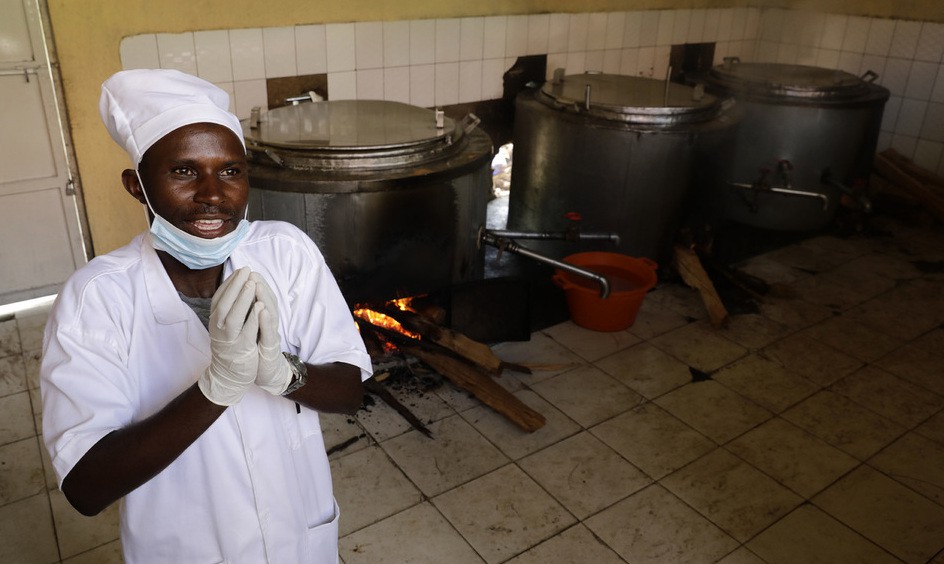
539, 26
576, 62
921, 79
933, 128
340, 47
683, 19
176, 51
230, 89
937, 94
890, 115
768, 51
884, 141
725, 24
752, 29
849, 62
140, 52
516, 36
370, 84
342, 85
311, 51
696, 27
828, 58
612, 61
928, 154
577, 34
712, 25
806, 55
930, 42
834, 31
557, 33
471, 39
214, 60
632, 29
593, 62
904, 144
493, 72
661, 62
739, 24
396, 44
447, 84
629, 61
873, 63
646, 61
773, 24
879, 41
666, 27
397, 84
648, 29
809, 28
615, 29
495, 27
896, 76
596, 31
905, 39
470, 81
423, 85
422, 42
447, 40
279, 56
247, 49
248, 94
857, 34
368, 45
792, 23
789, 52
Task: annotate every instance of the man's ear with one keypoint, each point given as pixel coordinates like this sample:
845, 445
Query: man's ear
130, 181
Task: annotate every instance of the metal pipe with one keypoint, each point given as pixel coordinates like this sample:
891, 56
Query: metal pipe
556, 235
803, 193
504, 244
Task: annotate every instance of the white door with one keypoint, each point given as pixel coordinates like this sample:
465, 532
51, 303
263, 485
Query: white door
41, 241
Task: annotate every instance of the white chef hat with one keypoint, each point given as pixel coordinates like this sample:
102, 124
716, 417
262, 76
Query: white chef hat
141, 106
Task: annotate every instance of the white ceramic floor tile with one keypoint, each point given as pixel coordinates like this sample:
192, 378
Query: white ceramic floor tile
699, 346
33, 515
342, 434
576, 545
654, 319
844, 424
933, 428
456, 454
916, 462
646, 369
889, 396
853, 338
503, 513
741, 556
21, 470
420, 535
680, 299
109, 553
590, 345
917, 366
793, 313
369, 488
12, 375
713, 410
811, 359
732, 494
16, 418
653, 440
753, 330
889, 514
793, 457
654, 526
765, 383
9, 338
587, 395
511, 440
77, 533
542, 354
809, 535
584, 474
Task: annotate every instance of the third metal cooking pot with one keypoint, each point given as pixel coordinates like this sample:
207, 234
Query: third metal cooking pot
807, 137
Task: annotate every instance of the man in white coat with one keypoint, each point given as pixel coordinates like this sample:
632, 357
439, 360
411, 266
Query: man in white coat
182, 373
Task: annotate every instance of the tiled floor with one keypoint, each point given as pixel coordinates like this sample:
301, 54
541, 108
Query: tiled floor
818, 437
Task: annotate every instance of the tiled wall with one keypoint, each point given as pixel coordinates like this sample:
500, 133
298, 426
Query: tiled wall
439, 62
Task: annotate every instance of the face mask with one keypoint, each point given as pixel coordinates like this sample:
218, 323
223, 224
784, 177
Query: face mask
196, 253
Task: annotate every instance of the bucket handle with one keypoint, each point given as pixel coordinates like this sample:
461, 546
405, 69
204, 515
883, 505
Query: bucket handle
562, 282
651, 264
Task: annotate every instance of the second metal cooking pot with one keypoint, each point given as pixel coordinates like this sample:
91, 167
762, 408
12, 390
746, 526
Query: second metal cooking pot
392, 194
807, 138
620, 151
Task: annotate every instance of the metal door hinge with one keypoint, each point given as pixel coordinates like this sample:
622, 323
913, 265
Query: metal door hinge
70, 188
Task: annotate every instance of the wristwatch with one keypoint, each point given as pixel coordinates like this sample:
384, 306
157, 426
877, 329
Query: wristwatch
299, 373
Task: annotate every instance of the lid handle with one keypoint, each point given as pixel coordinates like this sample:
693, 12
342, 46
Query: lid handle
870, 76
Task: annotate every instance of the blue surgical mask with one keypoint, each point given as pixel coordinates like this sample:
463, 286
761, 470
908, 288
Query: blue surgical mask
196, 253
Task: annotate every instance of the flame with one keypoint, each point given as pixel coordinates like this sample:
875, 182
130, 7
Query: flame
385, 321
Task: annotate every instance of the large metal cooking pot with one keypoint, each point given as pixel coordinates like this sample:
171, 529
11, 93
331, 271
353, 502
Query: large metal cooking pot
620, 151
807, 137
392, 194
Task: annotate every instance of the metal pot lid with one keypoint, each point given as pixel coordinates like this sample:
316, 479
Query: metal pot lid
788, 81
351, 133
630, 99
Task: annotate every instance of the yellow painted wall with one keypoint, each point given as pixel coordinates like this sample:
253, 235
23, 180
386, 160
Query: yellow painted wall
88, 33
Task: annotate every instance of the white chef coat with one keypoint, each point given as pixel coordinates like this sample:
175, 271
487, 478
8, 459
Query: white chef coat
256, 486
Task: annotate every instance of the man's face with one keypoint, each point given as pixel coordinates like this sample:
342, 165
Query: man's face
196, 178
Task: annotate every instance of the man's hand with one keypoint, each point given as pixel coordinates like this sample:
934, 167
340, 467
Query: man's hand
234, 328
275, 372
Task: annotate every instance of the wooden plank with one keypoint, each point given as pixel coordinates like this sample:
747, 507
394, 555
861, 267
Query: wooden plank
888, 169
693, 274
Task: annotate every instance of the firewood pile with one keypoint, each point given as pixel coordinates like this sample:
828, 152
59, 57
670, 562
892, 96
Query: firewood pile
900, 180
466, 363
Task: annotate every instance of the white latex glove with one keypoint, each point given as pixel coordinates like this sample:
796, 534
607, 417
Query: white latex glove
234, 329
275, 372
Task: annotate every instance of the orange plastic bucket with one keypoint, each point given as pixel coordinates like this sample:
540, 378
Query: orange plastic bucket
629, 278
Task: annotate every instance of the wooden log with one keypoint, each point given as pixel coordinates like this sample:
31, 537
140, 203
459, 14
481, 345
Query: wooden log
693, 274
930, 180
482, 386
384, 394
933, 202
475, 352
